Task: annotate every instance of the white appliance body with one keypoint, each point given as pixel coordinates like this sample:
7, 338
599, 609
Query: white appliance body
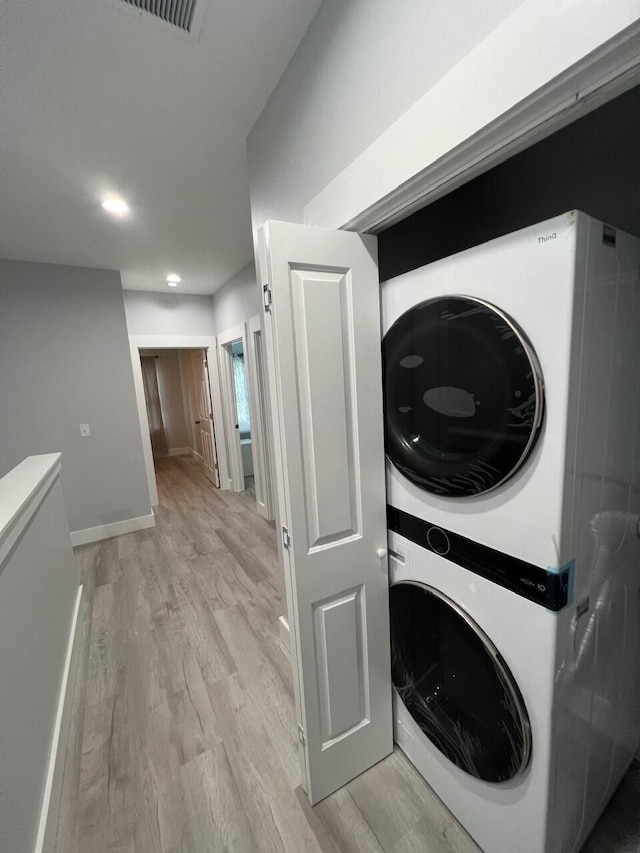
576, 299
583, 711
571, 285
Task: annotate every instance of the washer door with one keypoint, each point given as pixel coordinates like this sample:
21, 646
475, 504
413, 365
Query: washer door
463, 396
456, 685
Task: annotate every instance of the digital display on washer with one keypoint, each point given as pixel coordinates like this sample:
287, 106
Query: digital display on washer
463, 396
456, 685
547, 588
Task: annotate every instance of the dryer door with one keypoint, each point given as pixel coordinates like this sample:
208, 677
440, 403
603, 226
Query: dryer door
456, 685
463, 396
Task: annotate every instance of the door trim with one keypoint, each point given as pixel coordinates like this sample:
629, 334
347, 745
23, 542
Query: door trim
228, 403
258, 403
205, 342
410, 166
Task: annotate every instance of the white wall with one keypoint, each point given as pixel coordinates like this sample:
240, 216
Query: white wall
176, 314
352, 124
64, 360
168, 314
237, 301
171, 397
361, 65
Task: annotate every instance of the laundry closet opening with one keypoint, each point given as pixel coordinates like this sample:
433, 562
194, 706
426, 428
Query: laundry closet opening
471, 417
590, 165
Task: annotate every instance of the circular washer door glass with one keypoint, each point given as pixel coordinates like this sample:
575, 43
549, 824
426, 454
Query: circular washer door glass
463, 396
456, 685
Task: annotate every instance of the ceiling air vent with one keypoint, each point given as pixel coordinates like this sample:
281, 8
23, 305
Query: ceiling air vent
178, 13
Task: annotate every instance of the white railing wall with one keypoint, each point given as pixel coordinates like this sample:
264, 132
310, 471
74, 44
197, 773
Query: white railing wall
39, 598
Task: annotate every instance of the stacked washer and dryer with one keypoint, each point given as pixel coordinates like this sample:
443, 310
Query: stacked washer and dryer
512, 392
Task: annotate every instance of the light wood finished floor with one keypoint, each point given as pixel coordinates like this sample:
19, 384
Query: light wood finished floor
184, 737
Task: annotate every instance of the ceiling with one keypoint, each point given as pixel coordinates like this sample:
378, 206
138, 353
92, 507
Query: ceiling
98, 98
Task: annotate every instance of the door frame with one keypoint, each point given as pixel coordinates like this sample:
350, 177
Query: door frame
552, 82
228, 402
260, 436
204, 342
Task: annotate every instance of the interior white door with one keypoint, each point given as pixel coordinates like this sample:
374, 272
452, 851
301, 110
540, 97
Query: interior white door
205, 418
322, 326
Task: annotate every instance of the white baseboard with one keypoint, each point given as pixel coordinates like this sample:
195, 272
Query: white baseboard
56, 745
285, 632
196, 455
116, 528
179, 451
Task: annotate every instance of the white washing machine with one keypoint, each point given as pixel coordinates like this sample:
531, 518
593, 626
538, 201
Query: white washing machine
521, 718
512, 390
507, 377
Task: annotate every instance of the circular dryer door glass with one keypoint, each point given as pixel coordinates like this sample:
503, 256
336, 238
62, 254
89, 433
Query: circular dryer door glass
455, 685
463, 396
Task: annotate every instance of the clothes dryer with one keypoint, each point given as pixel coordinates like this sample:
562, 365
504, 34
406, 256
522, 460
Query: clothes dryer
511, 389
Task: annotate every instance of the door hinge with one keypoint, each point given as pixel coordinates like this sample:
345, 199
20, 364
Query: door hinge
266, 295
286, 538
301, 735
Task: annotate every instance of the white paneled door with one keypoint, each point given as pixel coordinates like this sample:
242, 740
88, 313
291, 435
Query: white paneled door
322, 327
204, 421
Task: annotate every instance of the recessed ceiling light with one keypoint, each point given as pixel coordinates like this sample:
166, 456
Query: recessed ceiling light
173, 280
115, 204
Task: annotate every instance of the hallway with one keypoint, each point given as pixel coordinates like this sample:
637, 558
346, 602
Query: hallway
186, 736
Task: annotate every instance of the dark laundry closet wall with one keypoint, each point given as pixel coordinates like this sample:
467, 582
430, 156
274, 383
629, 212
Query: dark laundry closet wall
592, 165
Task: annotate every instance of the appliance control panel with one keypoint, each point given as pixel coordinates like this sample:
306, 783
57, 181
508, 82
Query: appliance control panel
549, 589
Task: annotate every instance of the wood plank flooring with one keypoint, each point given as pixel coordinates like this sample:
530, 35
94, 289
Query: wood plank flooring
185, 735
